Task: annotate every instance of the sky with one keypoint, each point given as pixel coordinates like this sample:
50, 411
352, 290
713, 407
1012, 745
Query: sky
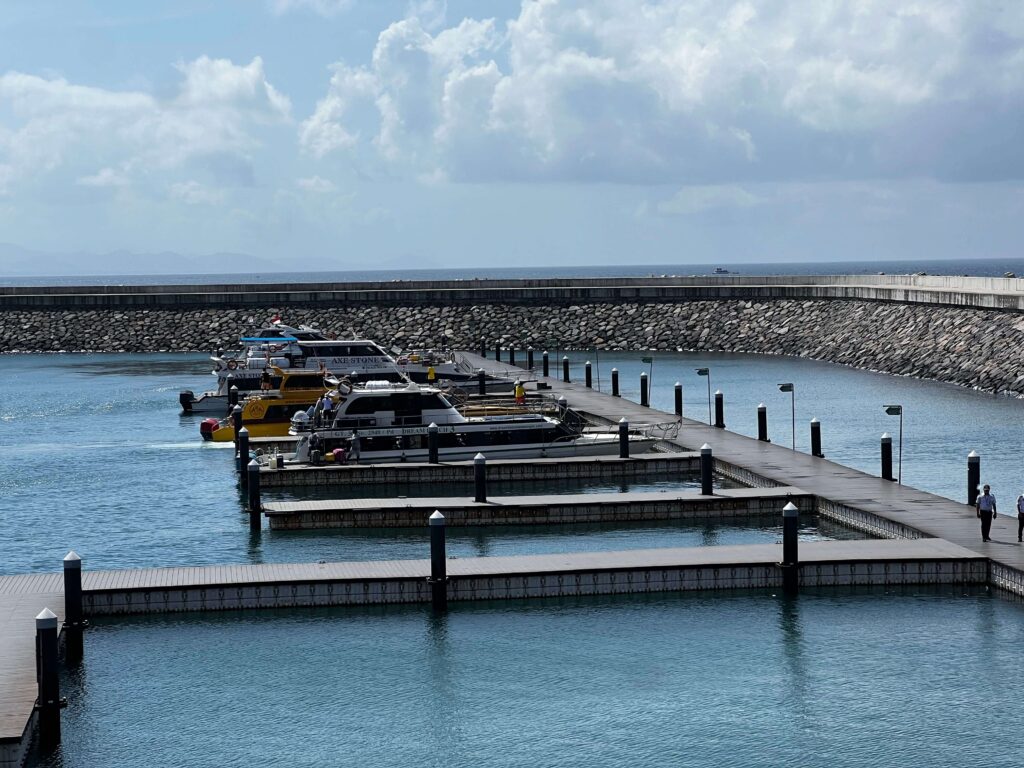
374, 134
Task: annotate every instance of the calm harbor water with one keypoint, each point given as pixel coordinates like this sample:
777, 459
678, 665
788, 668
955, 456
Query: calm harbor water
830, 679
99, 460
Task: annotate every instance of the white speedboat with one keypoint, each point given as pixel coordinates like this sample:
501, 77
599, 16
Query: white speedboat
286, 347
381, 422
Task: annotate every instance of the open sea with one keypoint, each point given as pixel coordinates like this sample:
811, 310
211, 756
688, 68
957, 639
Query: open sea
975, 267
97, 458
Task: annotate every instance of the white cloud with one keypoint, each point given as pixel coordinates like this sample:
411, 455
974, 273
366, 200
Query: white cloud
105, 177
193, 193
690, 92
214, 115
315, 184
320, 7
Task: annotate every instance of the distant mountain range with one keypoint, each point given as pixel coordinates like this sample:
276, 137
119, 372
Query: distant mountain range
16, 261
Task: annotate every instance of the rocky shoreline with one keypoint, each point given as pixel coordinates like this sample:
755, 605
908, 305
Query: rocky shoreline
975, 348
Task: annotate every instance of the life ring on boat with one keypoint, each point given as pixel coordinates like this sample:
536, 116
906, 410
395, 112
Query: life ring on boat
232, 365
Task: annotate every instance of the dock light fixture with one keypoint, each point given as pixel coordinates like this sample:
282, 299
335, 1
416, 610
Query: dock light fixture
897, 410
707, 372
788, 387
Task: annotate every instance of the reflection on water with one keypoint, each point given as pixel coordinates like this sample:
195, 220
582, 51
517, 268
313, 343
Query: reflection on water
833, 678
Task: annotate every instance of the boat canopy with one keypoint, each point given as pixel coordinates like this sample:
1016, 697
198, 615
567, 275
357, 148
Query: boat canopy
265, 339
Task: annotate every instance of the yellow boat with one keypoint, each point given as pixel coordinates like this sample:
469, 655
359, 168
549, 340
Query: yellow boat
269, 413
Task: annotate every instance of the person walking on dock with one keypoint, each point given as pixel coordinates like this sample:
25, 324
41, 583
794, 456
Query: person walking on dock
986, 506
353, 447
1020, 517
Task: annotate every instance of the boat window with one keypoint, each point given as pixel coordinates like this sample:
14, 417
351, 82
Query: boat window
315, 381
433, 403
362, 405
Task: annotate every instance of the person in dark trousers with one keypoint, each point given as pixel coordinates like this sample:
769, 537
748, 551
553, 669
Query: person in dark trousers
1020, 517
986, 506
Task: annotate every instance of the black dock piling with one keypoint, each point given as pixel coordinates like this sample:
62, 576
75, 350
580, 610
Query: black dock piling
565, 369
242, 459
762, 423
973, 477
719, 409
511, 355
480, 478
232, 394
816, 439
438, 563
529, 358
483, 347
679, 399
887, 457
497, 352
645, 396
255, 506
49, 702
707, 464
74, 621
615, 382
623, 438
236, 424
790, 551
481, 381
432, 443
545, 364
588, 376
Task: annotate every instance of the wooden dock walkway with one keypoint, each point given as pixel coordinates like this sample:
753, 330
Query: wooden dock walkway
21, 600
853, 497
536, 510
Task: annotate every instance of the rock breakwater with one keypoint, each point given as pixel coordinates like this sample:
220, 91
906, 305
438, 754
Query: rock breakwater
970, 347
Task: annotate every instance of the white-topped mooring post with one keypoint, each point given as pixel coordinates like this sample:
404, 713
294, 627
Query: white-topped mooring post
645, 395
232, 394
816, 439
483, 347
707, 463
563, 406
886, 446
511, 355
74, 621
236, 424
588, 375
973, 477
432, 440
790, 551
49, 702
623, 438
438, 563
719, 409
678, 390
565, 369
545, 364
762, 423
529, 358
242, 459
480, 478
481, 381
497, 350
615, 382
255, 506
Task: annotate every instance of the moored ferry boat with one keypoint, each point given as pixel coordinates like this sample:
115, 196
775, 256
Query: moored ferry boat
385, 422
290, 348
269, 413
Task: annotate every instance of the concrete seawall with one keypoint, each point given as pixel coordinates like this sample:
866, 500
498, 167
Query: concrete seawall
967, 331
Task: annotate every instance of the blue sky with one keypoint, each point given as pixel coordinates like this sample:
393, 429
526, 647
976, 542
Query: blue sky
354, 134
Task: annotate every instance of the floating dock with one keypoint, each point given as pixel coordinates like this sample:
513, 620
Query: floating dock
650, 506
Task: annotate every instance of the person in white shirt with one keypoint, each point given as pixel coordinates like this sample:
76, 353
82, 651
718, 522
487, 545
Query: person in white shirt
986, 506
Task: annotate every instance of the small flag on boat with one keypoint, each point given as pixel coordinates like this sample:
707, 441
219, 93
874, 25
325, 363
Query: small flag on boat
786, 387
703, 371
894, 410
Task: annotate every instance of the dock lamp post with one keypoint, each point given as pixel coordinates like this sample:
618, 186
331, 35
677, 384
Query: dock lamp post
788, 387
897, 410
707, 372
